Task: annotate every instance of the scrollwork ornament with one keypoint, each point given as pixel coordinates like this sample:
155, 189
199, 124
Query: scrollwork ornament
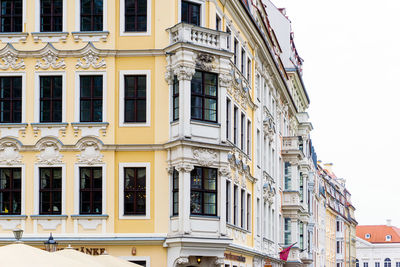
205, 157
90, 154
224, 171
225, 80
185, 167
50, 60
205, 62
184, 73
9, 154
182, 260
90, 59
50, 154
10, 61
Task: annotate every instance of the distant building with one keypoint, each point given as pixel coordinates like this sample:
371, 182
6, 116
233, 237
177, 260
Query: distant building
378, 245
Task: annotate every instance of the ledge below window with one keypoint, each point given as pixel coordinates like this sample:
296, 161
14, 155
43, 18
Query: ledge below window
10, 222
13, 37
49, 37
94, 36
89, 217
49, 217
48, 221
90, 221
49, 129
12, 129
90, 128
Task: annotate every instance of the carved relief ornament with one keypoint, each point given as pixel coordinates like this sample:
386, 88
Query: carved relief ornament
10, 60
185, 167
50, 153
205, 62
50, 59
91, 59
90, 153
9, 153
184, 72
205, 157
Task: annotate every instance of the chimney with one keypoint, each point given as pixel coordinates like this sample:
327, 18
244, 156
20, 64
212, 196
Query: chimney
388, 222
328, 166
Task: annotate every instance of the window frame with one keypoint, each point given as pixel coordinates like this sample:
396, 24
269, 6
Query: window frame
77, 110
202, 10
122, 75
121, 168
52, 16
22, 191
23, 19
174, 96
77, 188
36, 112
12, 99
173, 191
78, 17
122, 20
38, 15
203, 191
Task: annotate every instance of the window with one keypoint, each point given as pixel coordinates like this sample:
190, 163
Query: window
91, 98
337, 226
242, 208
175, 192
10, 99
11, 16
135, 15
258, 217
242, 131
135, 98
235, 125
190, 13
388, 238
301, 188
229, 39
135, 191
249, 69
287, 231
377, 264
258, 87
228, 201
203, 193
387, 263
258, 148
236, 52
204, 96
218, 23
51, 15
140, 263
10, 191
235, 204
248, 212
50, 190
365, 264
357, 263
91, 15
50, 98
248, 135
288, 176
397, 264
243, 61
301, 230
228, 119
175, 99
338, 247
90, 190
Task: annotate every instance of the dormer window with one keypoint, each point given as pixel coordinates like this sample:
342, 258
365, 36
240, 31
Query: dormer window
388, 238
367, 236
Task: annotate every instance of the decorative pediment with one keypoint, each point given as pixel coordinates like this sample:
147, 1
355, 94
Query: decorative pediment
90, 151
205, 157
50, 59
9, 151
91, 59
10, 58
49, 151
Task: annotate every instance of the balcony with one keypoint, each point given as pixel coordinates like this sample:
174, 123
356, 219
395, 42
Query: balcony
306, 257
291, 201
192, 34
292, 148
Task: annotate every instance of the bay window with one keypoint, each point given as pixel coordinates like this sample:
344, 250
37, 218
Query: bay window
204, 99
203, 193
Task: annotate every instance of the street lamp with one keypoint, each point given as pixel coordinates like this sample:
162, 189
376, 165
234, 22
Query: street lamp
18, 234
51, 244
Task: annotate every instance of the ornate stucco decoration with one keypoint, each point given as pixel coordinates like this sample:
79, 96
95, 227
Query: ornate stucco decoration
169, 75
239, 165
269, 191
185, 167
226, 172
205, 62
90, 152
205, 157
225, 80
91, 59
9, 152
269, 125
240, 90
184, 72
219, 261
182, 260
50, 59
49, 152
10, 60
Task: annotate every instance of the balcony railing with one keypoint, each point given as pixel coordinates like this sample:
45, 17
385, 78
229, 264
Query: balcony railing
188, 33
293, 146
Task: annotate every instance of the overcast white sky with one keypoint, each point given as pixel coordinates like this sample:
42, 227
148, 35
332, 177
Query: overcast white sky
352, 75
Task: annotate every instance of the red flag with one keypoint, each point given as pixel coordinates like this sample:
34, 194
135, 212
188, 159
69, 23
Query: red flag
284, 254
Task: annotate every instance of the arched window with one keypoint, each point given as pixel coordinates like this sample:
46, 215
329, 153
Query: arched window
357, 263
388, 263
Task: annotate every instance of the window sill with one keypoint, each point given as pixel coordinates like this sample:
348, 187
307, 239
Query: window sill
90, 128
49, 128
12, 129
205, 217
89, 217
13, 37
124, 33
134, 124
94, 36
238, 228
48, 217
13, 217
49, 37
206, 123
134, 217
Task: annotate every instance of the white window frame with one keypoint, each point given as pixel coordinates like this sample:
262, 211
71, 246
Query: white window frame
22, 166
78, 15
202, 4
77, 186
37, 16
78, 74
23, 91
122, 20
36, 186
137, 258
36, 111
122, 166
122, 74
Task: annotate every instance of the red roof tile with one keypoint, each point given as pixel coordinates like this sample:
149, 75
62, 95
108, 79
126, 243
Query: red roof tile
378, 233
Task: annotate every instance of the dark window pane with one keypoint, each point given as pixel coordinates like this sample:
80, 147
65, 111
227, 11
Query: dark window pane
135, 191
91, 15
10, 191
11, 15
91, 104
50, 99
203, 194
135, 15
91, 190
204, 104
135, 98
10, 99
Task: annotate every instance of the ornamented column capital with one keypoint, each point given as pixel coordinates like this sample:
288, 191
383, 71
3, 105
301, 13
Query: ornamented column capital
225, 171
184, 167
182, 260
225, 80
219, 261
184, 73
